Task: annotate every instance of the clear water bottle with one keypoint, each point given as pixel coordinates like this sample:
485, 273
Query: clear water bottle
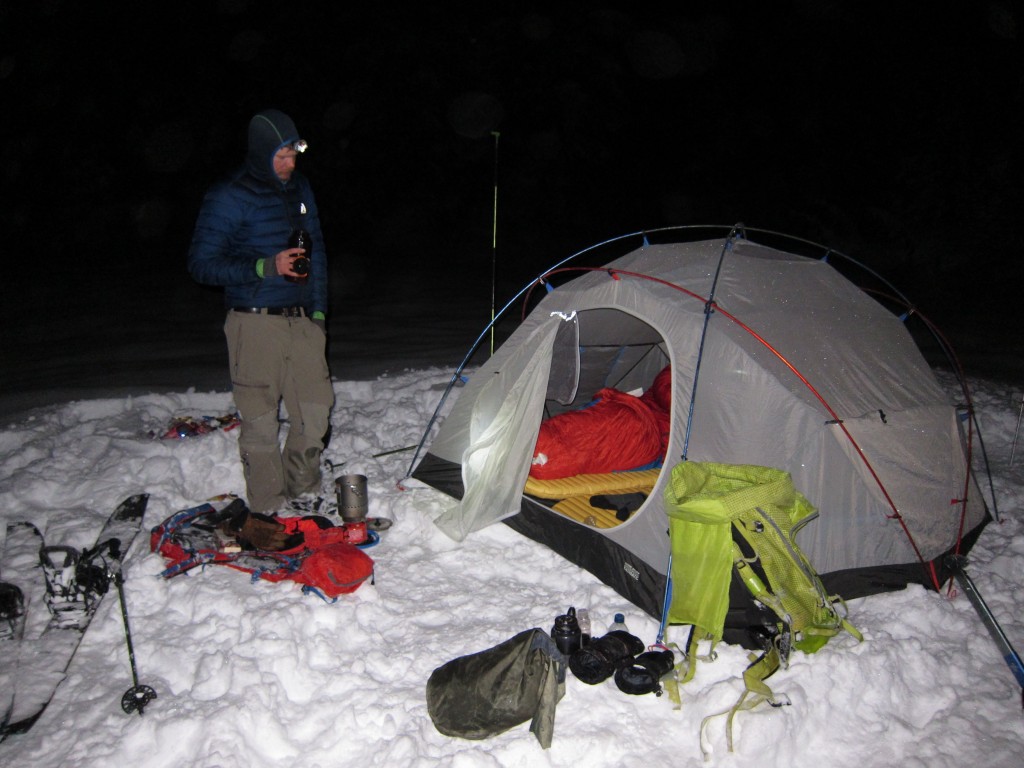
619, 624
583, 619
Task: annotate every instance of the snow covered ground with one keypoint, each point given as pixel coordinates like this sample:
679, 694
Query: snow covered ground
256, 674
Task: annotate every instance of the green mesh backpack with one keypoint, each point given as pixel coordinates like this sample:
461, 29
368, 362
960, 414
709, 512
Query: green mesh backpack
736, 523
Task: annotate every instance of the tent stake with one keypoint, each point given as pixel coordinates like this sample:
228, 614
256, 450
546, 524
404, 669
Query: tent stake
956, 564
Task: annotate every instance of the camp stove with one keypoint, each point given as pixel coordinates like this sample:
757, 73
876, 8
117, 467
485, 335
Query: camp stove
355, 532
353, 506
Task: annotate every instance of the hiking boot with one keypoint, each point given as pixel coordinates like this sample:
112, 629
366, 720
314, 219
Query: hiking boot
320, 501
311, 504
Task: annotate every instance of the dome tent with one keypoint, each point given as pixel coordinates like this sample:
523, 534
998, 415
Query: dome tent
777, 360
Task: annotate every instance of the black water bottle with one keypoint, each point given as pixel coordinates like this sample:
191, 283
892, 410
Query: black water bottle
300, 239
566, 633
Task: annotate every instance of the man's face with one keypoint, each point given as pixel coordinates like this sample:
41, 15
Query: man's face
284, 163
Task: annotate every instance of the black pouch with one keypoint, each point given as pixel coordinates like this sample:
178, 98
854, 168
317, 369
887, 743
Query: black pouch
643, 674
598, 661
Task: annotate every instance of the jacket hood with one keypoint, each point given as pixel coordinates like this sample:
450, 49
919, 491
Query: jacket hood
269, 130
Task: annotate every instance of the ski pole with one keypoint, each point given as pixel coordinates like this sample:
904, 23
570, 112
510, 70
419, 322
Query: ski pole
138, 696
956, 564
1016, 432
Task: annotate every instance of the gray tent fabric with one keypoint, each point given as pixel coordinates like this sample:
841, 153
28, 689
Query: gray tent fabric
487, 693
501, 428
799, 369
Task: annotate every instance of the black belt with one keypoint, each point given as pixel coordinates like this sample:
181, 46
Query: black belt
286, 311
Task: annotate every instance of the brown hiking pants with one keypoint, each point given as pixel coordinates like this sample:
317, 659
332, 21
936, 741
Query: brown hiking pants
275, 358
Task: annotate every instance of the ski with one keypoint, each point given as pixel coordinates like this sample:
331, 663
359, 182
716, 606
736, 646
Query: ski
71, 584
20, 559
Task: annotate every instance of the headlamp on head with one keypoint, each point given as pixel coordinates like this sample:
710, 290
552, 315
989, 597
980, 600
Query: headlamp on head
300, 146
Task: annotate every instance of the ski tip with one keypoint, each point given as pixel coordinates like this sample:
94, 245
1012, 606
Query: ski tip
134, 505
23, 725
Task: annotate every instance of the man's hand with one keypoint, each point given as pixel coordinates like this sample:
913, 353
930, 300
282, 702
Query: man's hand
283, 262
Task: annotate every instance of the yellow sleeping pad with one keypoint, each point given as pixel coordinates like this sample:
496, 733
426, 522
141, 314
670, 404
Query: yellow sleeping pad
573, 493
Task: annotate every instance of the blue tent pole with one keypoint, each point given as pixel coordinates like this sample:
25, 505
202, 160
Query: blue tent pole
708, 310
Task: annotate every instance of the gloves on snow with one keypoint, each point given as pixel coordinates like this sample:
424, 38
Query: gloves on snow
257, 531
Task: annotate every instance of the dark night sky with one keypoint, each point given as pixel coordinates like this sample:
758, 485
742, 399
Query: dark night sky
887, 130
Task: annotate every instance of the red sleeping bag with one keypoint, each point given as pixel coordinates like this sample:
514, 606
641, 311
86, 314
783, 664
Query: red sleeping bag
659, 394
659, 399
619, 432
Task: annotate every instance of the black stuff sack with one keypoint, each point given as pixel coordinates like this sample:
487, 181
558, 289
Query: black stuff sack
487, 693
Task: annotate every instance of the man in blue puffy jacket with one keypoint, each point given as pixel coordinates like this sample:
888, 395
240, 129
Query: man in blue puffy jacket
277, 309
